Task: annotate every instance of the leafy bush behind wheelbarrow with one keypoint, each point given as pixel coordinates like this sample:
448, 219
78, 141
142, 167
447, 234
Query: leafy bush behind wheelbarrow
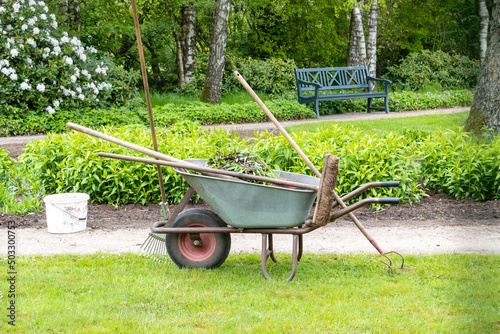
69, 163
454, 163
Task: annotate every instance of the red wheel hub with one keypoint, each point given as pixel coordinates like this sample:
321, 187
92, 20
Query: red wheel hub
197, 253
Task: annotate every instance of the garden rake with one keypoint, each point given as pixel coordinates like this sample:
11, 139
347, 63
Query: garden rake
155, 245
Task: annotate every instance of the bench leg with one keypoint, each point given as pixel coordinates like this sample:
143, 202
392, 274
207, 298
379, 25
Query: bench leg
386, 101
316, 107
369, 106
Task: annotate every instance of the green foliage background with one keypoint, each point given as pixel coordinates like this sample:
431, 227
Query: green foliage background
451, 162
310, 36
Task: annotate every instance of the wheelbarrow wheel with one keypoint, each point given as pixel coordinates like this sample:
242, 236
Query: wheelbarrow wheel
209, 251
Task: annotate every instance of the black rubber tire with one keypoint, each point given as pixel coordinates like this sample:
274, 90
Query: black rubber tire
215, 246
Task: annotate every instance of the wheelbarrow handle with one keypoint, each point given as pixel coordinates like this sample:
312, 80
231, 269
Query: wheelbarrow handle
366, 186
388, 200
363, 202
389, 184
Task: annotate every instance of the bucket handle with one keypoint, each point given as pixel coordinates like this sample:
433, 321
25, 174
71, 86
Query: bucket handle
70, 214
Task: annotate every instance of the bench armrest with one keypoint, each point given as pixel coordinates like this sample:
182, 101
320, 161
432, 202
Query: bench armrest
307, 83
380, 80
385, 81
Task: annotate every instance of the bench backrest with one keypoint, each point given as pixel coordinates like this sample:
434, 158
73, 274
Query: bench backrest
333, 77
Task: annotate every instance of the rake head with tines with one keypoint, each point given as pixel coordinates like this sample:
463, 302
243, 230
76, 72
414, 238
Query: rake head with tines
155, 247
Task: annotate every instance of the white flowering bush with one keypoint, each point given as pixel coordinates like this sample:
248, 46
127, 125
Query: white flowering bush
42, 68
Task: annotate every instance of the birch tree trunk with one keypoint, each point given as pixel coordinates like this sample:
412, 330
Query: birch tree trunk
360, 35
483, 32
185, 41
361, 9
217, 59
485, 109
372, 39
188, 42
352, 48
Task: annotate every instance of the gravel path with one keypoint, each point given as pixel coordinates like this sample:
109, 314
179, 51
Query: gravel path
427, 239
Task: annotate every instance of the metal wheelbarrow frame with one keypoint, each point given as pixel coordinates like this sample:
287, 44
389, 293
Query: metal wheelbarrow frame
192, 234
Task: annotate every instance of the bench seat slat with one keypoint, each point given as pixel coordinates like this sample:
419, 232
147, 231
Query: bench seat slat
334, 97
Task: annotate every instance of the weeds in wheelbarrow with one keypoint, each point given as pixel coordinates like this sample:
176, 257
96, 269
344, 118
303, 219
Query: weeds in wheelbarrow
242, 161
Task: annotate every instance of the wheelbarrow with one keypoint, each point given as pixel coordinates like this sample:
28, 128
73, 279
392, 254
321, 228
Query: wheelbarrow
199, 238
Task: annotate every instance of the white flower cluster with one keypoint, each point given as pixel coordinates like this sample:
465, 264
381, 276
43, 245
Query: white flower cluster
35, 43
8, 71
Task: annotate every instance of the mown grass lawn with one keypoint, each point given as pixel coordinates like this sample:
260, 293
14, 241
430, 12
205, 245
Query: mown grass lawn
106, 293
422, 123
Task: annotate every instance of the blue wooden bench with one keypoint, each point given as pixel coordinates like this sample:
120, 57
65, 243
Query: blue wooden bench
319, 84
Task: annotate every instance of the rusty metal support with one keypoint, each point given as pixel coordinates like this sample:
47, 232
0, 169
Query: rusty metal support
179, 207
271, 249
158, 228
267, 252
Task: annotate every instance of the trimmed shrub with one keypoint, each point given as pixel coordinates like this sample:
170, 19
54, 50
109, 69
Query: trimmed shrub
69, 163
20, 193
438, 69
165, 115
273, 76
455, 163
401, 101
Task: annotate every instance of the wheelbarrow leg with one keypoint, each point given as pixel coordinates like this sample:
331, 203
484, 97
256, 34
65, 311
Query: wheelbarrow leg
265, 255
297, 248
270, 250
267, 252
301, 238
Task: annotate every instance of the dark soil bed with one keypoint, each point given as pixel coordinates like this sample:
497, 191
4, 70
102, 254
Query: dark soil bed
438, 209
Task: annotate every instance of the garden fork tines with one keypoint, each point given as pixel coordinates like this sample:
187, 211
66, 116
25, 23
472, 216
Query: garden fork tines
384, 255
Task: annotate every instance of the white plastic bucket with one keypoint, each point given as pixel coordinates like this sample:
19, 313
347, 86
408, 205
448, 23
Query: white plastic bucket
66, 213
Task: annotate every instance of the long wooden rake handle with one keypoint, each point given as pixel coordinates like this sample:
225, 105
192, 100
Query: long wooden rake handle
209, 170
123, 143
304, 157
173, 162
148, 104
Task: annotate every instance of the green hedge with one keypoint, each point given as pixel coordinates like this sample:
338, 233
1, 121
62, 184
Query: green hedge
286, 108
402, 101
440, 70
166, 115
450, 162
455, 163
69, 163
20, 190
